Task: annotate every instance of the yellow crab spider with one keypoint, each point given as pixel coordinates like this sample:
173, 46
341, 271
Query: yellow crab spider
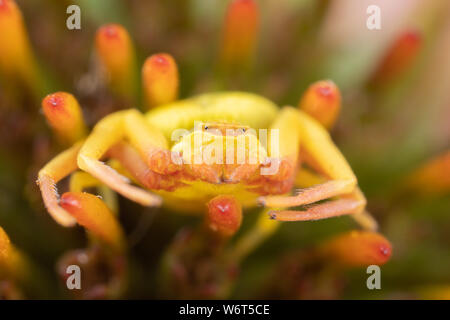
155, 170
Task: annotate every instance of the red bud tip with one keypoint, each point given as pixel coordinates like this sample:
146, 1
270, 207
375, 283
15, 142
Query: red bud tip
399, 56
4, 4
322, 100
111, 36
111, 31
224, 215
64, 115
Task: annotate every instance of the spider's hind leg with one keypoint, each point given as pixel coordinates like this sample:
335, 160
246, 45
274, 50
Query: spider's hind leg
352, 203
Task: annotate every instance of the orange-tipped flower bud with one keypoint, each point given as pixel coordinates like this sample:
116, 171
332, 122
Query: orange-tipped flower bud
5, 246
432, 177
437, 292
93, 214
399, 57
64, 115
322, 101
224, 215
358, 249
160, 79
240, 32
16, 58
116, 53
12, 262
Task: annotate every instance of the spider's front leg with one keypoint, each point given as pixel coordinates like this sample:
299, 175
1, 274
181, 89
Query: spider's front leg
105, 140
149, 142
57, 169
77, 206
298, 131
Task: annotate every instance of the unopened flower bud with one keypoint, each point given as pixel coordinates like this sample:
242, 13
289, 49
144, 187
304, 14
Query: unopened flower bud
116, 52
322, 100
160, 79
64, 116
241, 27
16, 56
93, 214
399, 57
358, 248
224, 215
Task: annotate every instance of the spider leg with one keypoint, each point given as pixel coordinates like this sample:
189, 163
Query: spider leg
353, 203
308, 134
139, 171
77, 206
336, 179
108, 132
58, 168
306, 178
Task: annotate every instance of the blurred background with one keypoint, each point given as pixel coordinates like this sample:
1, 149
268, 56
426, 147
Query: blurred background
393, 127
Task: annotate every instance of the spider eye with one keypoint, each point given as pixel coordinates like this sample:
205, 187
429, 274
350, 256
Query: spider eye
206, 127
